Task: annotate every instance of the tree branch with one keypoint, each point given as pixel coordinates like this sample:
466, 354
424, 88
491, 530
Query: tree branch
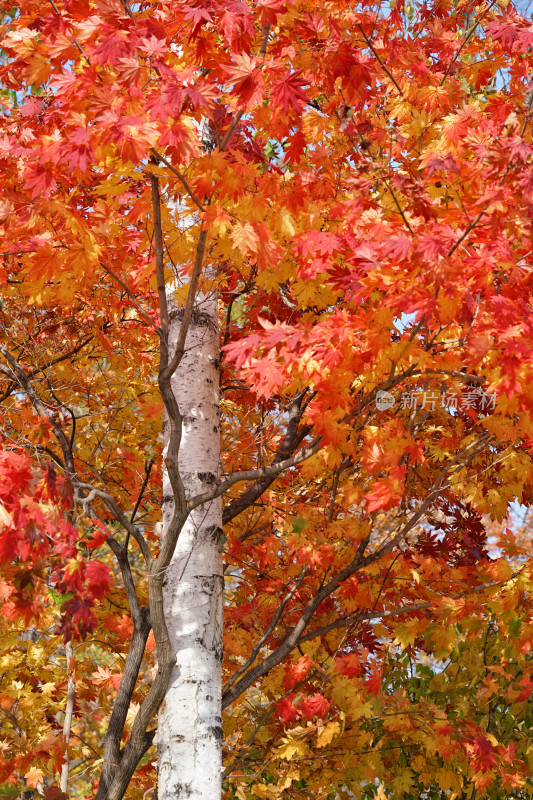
256, 474
189, 307
395, 612
359, 562
18, 375
178, 175
51, 363
159, 264
112, 756
239, 115
291, 440
148, 469
132, 297
120, 516
255, 652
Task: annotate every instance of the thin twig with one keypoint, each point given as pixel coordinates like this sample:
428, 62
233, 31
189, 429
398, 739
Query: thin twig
178, 175
395, 612
384, 68
148, 469
18, 375
464, 42
120, 516
255, 652
132, 297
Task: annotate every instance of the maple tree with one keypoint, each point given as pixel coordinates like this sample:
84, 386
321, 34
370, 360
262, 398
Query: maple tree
342, 196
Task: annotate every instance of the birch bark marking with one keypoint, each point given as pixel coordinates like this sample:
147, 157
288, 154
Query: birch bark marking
69, 713
190, 723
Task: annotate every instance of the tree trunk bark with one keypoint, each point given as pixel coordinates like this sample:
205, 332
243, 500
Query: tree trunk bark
190, 723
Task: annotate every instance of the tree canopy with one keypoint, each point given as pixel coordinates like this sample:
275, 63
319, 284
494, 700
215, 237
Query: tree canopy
354, 182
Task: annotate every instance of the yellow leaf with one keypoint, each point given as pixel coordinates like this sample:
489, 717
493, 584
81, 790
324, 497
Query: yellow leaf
291, 748
287, 225
363, 710
5, 517
292, 774
448, 780
326, 734
38, 70
37, 655
132, 713
265, 792
403, 781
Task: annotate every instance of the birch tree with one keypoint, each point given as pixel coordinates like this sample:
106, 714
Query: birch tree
263, 402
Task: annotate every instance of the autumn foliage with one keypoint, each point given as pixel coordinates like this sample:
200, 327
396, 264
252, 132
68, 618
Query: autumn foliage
364, 176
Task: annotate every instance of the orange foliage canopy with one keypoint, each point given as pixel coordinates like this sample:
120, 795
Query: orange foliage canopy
365, 179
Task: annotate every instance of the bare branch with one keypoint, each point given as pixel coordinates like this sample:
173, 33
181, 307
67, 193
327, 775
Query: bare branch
159, 265
132, 297
256, 474
255, 652
140, 738
380, 62
120, 516
148, 469
189, 306
291, 639
123, 699
18, 375
291, 440
51, 363
229, 133
438, 487
464, 42
178, 175
352, 619
482, 213
359, 562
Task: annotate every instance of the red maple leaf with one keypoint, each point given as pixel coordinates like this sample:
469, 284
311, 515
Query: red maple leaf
288, 93
484, 758
527, 688
315, 706
349, 665
271, 9
199, 17
386, 492
373, 682
99, 577
40, 180
246, 78
235, 22
295, 672
286, 710
98, 537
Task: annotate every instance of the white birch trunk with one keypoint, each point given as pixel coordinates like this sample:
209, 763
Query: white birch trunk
190, 724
